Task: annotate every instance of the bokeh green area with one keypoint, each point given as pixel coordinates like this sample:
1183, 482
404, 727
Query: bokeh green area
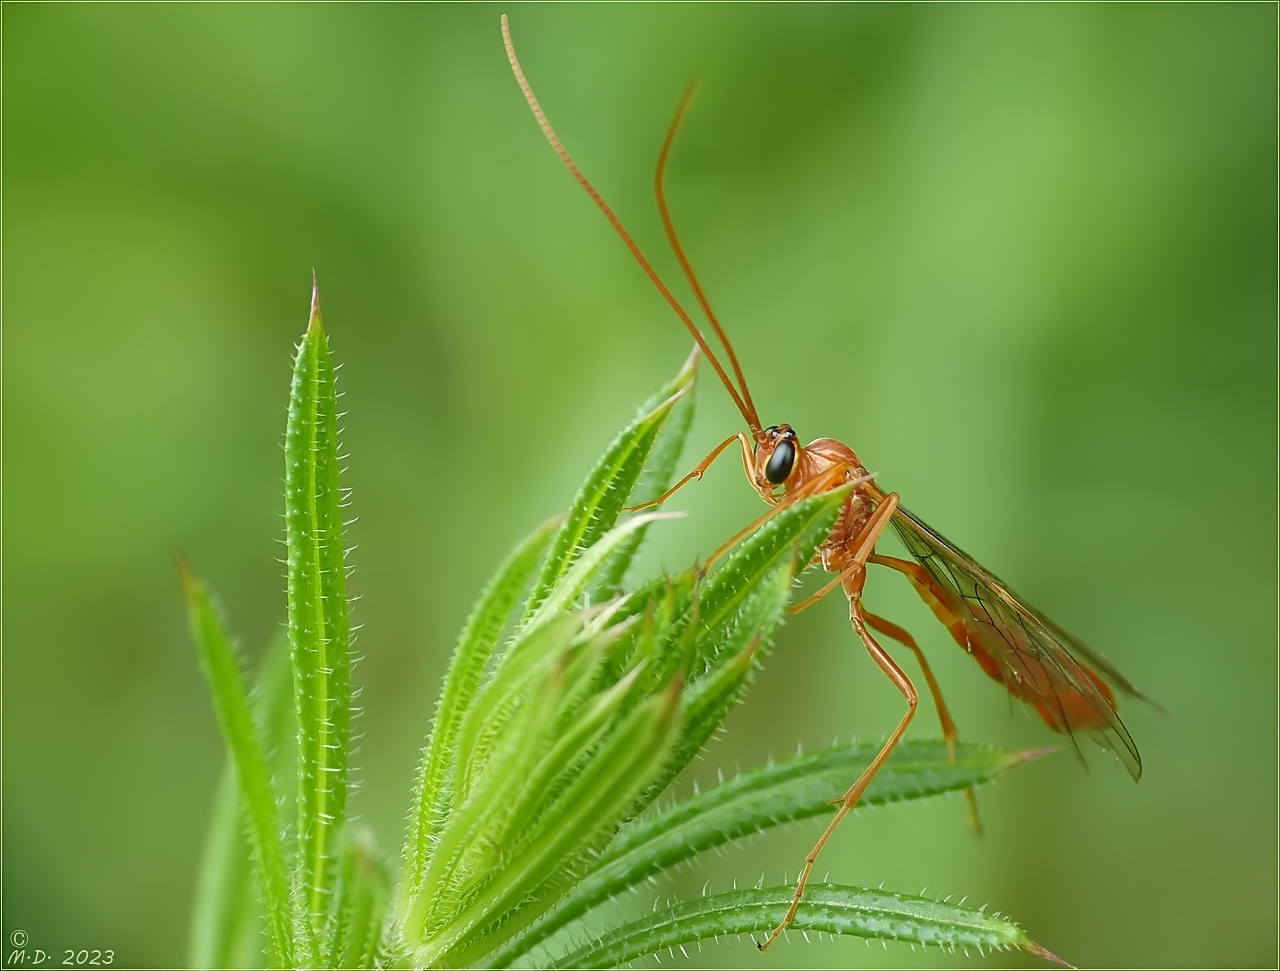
1022, 258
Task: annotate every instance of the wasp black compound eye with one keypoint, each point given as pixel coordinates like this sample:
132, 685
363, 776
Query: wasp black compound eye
781, 461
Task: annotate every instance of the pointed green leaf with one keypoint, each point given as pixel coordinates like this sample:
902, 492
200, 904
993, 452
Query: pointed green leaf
707, 702
526, 661
798, 788
657, 473
247, 750
662, 631
564, 742
602, 497
576, 742
319, 632
225, 915
505, 765
516, 712
363, 895
226, 926
584, 818
780, 793
587, 565
792, 533
828, 909
433, 796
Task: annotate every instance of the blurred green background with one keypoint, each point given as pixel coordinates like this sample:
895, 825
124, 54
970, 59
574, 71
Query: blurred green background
1022, 258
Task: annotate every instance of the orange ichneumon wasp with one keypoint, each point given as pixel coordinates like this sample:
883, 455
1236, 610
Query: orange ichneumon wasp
1033, 658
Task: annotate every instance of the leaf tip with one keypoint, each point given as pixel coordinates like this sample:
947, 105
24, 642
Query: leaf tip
313, 319
671, 706
1031, 755
664, 406
1043, 952
187, 577
645, 518
689, 369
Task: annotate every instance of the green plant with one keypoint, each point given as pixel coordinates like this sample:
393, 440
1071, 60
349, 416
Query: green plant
562, 717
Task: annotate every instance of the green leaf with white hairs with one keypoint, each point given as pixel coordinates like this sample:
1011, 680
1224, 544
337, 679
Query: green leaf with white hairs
318, 626
708, 700
798, 788
226, 928
754, 801
826, 909
664, 457
531, 654
583, 819
364, 891
527, 660
434, 793
792, 533
247, 748
603, 496
586, 567
537, 792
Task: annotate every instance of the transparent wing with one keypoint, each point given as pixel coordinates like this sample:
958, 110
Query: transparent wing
1020, 647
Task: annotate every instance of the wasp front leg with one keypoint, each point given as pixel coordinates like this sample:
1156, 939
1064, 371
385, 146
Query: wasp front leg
702, 467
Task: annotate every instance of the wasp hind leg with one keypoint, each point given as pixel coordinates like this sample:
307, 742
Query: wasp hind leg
854, 792
889, 629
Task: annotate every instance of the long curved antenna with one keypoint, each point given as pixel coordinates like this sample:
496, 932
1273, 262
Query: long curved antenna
659, 177
747, 413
